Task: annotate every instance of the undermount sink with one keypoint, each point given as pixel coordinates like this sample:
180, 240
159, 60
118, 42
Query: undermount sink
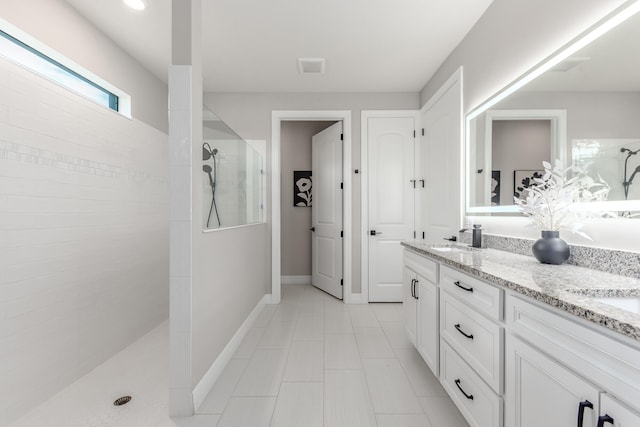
452, 248
631, 304
446, 249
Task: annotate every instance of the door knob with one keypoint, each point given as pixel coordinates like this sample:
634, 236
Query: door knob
374, 232
312, 229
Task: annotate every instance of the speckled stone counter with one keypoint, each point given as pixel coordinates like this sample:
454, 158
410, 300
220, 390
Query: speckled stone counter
573, 289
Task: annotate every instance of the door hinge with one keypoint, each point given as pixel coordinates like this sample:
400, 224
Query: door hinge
414, 133
423, 235
342, 185
341, 282
341, 233
422, 131
414, 234
341, 137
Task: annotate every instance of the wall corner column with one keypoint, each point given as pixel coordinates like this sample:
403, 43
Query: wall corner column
185, 135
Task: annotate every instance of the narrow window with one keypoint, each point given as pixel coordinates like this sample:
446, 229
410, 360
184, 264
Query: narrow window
23, 54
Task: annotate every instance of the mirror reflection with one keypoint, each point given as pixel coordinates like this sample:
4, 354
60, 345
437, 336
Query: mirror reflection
584, 111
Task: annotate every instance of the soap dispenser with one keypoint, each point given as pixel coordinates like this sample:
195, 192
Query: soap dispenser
476, 237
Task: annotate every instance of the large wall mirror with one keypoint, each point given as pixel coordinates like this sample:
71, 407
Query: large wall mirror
581, 106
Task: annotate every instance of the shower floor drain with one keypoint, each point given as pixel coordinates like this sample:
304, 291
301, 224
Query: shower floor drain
123, 400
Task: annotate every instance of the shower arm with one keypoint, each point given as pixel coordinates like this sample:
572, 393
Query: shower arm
627, 182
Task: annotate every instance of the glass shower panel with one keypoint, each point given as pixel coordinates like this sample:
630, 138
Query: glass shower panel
232, 178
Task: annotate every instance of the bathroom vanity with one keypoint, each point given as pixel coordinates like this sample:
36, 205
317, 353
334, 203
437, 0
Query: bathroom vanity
516, 343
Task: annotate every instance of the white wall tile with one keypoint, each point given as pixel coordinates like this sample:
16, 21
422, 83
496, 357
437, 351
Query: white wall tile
84, 209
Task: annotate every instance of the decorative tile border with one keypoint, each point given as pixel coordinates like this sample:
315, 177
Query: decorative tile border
612, 261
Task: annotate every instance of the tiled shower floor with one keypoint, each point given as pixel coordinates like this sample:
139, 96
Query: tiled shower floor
310, 361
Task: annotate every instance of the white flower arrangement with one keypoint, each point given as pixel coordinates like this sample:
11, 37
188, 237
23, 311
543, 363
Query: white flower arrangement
552, 201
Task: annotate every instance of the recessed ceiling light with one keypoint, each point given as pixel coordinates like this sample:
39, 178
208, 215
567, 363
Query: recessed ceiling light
136, 4
311, 65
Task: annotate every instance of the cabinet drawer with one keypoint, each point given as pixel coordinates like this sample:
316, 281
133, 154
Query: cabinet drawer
422, 265
601, 359
475, 400
478, 340
483, 297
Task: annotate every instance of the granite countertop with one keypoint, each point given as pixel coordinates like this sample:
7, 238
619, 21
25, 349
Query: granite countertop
576, 290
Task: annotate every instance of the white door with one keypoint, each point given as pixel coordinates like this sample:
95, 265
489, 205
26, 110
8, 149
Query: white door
391, 192
440, 164
326, 210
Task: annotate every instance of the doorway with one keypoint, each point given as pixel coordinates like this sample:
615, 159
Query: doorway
311, 204
276, 210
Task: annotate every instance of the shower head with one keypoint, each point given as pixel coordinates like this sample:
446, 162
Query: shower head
206, 154
207, 169
631, 153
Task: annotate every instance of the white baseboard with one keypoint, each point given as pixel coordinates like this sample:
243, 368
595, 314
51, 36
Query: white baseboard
205, 385
355, 299
295, 280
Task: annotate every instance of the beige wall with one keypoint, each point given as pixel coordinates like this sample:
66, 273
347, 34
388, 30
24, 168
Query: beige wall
295, 155
518, 145
250, 115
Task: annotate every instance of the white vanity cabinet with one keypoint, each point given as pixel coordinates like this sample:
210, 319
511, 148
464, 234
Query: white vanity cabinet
420, 300
562, 372
614, 413
509, 360
542, 392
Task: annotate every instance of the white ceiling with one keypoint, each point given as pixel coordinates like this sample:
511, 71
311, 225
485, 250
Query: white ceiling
253, 45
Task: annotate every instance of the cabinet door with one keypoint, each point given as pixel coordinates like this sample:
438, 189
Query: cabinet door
428, 336
615, 414
540, 392
409, 303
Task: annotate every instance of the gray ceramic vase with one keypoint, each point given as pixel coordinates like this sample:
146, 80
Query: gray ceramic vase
551, 249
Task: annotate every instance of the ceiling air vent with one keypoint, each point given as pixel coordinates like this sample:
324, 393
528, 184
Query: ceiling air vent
311, 65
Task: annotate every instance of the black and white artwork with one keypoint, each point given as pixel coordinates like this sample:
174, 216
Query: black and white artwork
495, 188
302, 189
522, 180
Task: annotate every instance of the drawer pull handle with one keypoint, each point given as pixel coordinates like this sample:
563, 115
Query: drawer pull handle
604, 419
457, 326
584, 404
457, 283
416, 296
469, 396
413, 292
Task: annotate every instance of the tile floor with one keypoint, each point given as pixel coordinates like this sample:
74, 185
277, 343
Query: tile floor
313, 361
310, 361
